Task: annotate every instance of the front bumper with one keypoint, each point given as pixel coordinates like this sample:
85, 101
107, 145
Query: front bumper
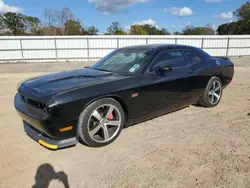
39, 126
34, 116
46, 141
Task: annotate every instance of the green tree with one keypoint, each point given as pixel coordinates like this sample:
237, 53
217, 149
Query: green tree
72, 27
3, 27
223, 29
243, 12
191, 30
162, 31
115, 29
206, 30
240, 27
32, 24
137, 30
92, 30
121, 32
177, 33
234, 28
14, 23
152, 30
227, 28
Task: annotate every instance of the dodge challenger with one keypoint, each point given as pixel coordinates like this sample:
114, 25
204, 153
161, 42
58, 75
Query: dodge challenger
130, 85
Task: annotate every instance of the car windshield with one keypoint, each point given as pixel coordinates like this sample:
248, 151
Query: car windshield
130, 60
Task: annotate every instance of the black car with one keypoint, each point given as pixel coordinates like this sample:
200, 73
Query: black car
129, 85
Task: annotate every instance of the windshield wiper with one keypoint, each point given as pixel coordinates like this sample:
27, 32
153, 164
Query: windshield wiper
100, 69
109, 70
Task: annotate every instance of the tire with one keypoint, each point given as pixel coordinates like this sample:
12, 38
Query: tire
98, 125
211, 93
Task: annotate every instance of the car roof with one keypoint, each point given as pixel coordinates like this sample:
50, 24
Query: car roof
160, 46
163, 47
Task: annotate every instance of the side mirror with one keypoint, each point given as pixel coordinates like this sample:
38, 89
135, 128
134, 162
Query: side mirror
165, 69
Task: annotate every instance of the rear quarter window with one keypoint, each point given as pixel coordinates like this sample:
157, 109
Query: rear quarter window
192, 57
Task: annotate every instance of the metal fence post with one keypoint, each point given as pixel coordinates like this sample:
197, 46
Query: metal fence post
202, 43
88, 48
147, 40
118, 42
56, 49
21, 46
176, 40
228, 43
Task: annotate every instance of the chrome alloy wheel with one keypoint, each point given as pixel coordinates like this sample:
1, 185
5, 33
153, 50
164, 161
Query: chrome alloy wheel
104, 123
214, 93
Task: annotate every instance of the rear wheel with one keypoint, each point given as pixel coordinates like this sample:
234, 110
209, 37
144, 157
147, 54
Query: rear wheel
101, 122
213, 93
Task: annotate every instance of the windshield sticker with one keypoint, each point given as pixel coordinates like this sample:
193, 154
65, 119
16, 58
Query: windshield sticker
134, 68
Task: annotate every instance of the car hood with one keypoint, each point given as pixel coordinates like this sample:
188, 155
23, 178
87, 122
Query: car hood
63, 81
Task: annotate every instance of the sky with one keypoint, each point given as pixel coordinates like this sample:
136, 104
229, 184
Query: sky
171, 14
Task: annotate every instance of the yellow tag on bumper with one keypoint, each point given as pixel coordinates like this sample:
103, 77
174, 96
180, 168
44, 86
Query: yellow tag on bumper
47, 145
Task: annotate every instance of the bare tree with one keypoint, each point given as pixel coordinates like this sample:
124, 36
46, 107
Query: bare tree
57, 19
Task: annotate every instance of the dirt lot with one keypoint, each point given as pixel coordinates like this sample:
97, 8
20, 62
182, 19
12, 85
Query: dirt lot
194, 147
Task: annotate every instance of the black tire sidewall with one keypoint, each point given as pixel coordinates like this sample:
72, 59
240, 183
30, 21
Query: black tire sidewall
82, 129
206, 97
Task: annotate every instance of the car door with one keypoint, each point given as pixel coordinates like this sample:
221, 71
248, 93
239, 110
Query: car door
198, 82
160, 92
171, 88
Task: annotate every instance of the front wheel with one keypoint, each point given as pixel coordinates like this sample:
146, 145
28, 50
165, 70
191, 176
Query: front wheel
213, 92
101, 122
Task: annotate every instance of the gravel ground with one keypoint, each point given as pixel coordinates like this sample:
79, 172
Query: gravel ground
193, 147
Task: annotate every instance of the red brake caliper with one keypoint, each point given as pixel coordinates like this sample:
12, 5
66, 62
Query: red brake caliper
111, 117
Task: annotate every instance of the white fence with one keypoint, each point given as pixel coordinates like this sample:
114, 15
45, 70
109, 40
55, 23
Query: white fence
95, 47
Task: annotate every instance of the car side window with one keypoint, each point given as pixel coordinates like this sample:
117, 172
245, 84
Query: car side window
192, 57
172, 59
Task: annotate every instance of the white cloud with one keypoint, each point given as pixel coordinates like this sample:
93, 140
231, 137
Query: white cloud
149, 22
187, 24
185, 11
115, 6
230, 21
127, 28
144, 22
7, 8
225, 16
215, 27
213, 1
